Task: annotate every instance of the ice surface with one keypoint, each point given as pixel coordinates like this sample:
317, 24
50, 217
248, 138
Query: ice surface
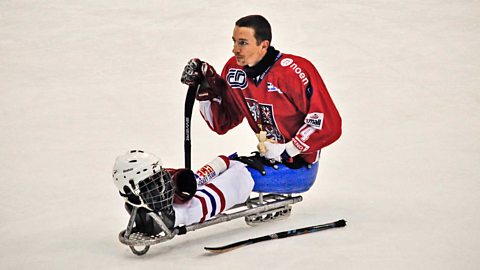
84, 81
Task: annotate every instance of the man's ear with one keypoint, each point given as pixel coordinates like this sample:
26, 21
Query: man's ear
265, 44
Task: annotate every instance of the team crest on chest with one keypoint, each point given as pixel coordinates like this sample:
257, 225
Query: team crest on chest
237, 78
263, 114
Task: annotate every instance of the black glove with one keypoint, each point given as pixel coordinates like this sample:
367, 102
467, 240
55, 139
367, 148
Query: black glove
185, 185
199, 72
192, 73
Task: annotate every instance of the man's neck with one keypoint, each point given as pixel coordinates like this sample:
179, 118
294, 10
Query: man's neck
267, 60
261, 58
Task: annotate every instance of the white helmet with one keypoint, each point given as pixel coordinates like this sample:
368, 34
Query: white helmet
141, 180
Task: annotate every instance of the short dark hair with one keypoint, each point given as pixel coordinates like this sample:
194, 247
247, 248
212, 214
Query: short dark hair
259, 24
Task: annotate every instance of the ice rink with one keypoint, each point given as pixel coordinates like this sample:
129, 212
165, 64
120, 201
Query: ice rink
84, 81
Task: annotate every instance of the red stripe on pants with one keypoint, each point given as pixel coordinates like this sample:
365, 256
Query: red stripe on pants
220, 195
204, 207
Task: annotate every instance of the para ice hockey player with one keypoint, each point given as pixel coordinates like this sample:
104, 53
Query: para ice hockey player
286, 104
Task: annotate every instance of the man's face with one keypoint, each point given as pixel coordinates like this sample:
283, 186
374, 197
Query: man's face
245, 48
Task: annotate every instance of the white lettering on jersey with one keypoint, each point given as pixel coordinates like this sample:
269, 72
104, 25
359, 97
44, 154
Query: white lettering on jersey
302, 146
288, 62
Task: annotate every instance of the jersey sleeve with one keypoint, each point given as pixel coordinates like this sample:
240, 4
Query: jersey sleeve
322, 124
223, 113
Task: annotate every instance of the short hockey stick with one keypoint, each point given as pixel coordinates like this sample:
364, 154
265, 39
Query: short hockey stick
284, 234
189, 101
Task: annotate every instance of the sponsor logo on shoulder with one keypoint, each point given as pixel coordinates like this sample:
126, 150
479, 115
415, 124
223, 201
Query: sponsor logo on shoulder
273, 88
314, 120
288, 62
237, 78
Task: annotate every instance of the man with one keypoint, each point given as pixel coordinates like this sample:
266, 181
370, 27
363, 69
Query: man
279, 94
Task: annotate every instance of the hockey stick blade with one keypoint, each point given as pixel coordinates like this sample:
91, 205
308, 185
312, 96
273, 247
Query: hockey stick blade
284, 234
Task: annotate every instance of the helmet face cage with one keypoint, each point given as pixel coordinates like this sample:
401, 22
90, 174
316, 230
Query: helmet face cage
157, 190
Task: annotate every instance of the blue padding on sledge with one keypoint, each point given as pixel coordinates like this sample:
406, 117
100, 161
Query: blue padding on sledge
284, 180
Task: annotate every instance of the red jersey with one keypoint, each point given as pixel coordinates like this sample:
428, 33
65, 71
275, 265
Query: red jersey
289, 101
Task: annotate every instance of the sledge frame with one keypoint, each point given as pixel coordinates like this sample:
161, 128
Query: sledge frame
256, 210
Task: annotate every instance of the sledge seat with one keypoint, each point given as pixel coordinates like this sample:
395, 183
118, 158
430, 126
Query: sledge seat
284, 180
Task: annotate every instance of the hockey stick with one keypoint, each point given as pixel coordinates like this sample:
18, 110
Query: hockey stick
189, 101
284, 234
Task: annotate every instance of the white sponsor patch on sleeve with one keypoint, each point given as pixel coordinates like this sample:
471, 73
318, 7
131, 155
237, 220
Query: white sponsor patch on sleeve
314, 120
305, 132
206, 111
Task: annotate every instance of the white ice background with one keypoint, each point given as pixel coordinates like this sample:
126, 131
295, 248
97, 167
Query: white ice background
84, 81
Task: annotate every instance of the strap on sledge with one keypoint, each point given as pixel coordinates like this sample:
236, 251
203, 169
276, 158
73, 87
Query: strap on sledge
258, 162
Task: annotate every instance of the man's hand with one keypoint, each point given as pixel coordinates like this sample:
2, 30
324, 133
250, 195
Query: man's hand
192, 73
199, 72
280, 152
